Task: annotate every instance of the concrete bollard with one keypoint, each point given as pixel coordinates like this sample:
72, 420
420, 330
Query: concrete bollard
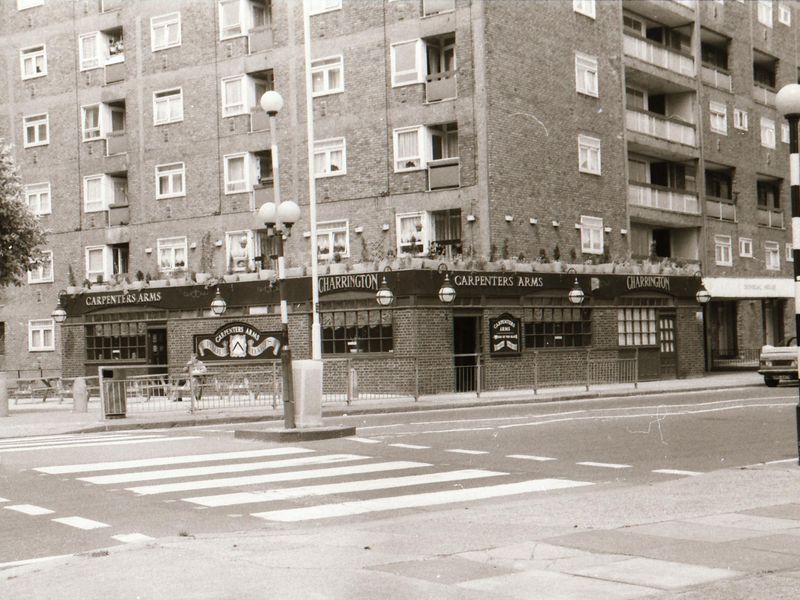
307, 393
80, 396
3, 396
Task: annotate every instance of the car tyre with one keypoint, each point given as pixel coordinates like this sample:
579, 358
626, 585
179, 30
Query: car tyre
770, 381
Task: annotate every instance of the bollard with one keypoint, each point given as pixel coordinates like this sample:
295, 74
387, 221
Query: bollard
80, 396
308, 393
3, 396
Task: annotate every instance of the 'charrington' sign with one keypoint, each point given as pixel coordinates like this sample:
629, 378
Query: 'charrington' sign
504, 335
238, 341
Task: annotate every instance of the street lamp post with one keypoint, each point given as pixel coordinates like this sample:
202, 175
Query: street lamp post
787, 101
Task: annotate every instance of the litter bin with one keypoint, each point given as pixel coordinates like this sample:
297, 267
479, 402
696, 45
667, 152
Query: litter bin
114, 401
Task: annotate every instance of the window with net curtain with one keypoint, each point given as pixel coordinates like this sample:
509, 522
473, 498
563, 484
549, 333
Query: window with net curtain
411, 234
408, 153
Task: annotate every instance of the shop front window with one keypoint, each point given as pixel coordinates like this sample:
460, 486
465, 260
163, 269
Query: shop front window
353, 331
116, 341
558, 327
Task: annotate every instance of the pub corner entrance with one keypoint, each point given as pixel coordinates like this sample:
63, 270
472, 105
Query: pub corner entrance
466, 351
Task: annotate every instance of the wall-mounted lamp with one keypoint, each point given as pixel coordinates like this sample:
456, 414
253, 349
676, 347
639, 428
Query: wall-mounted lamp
384, 296
578, 226
359, 229
533, 221
218, 304
509, 218
607, 229
306, 234
576, 294
59, 315
556, 224
447, 293
470, 218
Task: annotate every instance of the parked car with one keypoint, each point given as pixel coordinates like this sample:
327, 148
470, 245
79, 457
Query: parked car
778, 362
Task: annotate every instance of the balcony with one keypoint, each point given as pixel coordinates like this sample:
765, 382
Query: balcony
115, 71
259, 120
434, 7
719, 208
716, 78
658, 55
116, 143
662, 198
770, 218
661, 127
109, 5
687, 3
118, 214
260, 39
763, 95
263, 193
443, 173
440, 86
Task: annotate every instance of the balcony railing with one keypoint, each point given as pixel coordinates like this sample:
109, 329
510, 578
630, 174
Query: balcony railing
662, 198
263, 193
118, 214
434, 7
260, 39
660, 127
115, 71
444, 173
718, 208
763, 95
440, 86
116, 143
658, 55
718, 79
768, 217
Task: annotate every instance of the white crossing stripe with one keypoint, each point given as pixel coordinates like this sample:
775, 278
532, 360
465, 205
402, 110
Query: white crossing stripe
410, 446
459, 451
604, 465
29, 509
28, 561
340, 488
168, 460
131, 538
214, 470
59, 436
85, 438
138, 440
275, 477
678, 472
80, 523
358, 507
4, 500
530, 457
363, 440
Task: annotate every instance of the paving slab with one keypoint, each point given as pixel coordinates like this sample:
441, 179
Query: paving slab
746, 521
653, 573
729, 555
613, 541
539, 555
778, 511
787, 544
686, 530
448, 570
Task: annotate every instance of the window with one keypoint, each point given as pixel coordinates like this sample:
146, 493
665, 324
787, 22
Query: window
239, 173
168, 106
785, 133
412, 233
723, 253
588, 155
745, 247
240, 250
772, 256
768, 194
408, 146
165, 31
33, 61
23, 4
36, 128
557, 327
170, 180
37, 197
333, 241
591, 235
408, 59
584, 7
89, 50
330, 157
171, 254
740, 119
367, 330
41, 335
767, 133
91, 122
765, 12
326, 76
97, 263
43, 272
237, 17
321, 6
95, 193
789, 255
586, 74
719, 117
636, 326
242, 93
785, 14
119, 341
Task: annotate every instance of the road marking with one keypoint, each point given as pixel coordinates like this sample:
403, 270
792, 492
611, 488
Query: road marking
341, 488
140, 440
4, 500
216, 469
84, 438
28, 561
460, 451
167, 460
530, 457
29, 509
603, 465
410, 446
326, 511
131, 538
677, 472
274, 477
80, 523
363, 440
55, 437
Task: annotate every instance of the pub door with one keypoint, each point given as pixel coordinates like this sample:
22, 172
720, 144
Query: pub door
466, 351
666, 346
157, 350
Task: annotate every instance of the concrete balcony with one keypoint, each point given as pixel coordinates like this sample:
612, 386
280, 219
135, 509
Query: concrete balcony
109, 5
434, 7
444, 173
115, 71
259, 120
116, 143
260, 39
662, 198
770, 218
118, 214
660, 127
764, 95
714, 77
687, 3
441, 86
719, 208
658, 55
263, 193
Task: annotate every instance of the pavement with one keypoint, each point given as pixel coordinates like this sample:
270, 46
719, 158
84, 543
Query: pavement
728, 534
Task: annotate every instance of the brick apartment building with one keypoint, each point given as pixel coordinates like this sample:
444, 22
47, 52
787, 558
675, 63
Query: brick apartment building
639, 134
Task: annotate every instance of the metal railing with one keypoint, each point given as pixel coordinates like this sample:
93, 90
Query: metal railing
663, 199
658, 55
742, 358
660, 127
45, 390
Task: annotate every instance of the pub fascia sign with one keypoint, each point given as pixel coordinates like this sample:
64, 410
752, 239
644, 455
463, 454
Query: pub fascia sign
238, 341
124, 298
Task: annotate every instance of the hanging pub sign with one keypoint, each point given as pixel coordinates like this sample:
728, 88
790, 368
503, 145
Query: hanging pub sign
238, 341
504, 335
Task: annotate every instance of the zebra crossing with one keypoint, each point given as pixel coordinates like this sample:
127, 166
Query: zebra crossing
83, 440
292, 484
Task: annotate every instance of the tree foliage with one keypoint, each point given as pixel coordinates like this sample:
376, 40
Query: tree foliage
21, 234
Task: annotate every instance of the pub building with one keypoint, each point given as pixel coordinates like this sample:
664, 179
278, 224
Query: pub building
523, 328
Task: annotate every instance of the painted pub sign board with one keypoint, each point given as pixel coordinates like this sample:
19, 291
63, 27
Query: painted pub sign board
238, 341
504, 335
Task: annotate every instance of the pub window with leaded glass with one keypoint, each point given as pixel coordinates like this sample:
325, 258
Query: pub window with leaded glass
636, 326
116, 341
558, 327
348, 331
